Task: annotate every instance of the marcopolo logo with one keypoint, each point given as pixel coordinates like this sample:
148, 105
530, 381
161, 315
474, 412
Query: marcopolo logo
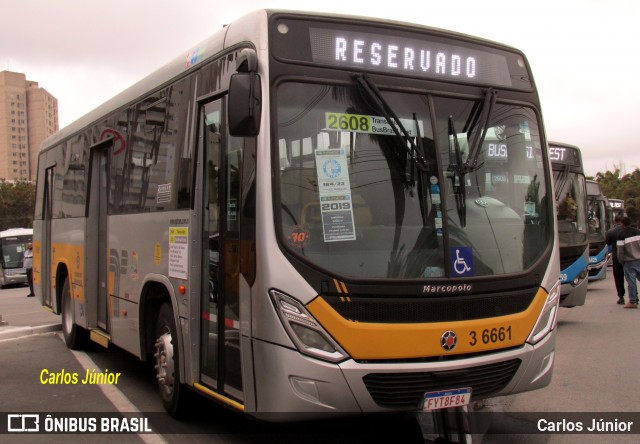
452, 288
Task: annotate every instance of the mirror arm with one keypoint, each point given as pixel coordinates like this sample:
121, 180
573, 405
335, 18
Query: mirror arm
247, 61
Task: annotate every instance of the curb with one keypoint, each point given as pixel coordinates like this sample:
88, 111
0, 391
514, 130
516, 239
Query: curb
19, 332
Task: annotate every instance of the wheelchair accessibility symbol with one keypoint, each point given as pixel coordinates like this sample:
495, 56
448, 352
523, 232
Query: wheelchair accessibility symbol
461, 261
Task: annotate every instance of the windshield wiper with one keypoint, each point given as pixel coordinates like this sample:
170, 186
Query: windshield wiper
458, 178
481, 116
372, 91
471, 163
563, 176
421, 182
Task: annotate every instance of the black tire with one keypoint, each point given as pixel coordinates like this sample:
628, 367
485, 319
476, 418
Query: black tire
167, 363
74, 336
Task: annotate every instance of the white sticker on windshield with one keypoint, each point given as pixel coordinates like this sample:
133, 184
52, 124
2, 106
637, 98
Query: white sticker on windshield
520, 179
335, 195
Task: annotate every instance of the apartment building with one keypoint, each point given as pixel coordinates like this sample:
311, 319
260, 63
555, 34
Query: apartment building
28, 115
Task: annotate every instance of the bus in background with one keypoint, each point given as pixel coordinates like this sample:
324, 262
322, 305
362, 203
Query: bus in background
302, 215
13, 243
571, 206
598, 219
616, 208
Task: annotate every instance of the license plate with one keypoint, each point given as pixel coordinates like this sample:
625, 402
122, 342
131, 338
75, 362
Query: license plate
446, 399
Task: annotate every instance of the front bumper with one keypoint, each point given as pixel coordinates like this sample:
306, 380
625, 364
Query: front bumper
288, 382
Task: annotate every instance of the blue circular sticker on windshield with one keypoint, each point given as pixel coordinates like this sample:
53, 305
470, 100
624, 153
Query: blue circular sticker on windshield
332, 168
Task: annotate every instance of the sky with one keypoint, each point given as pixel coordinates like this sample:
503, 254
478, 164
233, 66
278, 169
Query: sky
584, 54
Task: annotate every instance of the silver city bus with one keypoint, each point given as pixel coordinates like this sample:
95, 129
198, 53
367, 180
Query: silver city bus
13, 243
312, 213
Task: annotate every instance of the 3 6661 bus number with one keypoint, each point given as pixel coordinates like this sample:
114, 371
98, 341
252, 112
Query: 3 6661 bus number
490, 335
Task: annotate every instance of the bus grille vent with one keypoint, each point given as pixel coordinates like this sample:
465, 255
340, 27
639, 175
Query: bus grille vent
394, 310
406, 390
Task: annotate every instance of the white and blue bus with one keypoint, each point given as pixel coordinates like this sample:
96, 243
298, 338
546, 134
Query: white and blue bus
13, 243
573, 232
598, 219
302, 214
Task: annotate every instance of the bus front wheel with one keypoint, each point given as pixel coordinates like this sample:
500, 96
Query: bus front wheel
74, 336
167, 362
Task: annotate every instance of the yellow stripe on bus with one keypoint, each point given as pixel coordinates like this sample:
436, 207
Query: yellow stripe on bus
364, 340
228, 401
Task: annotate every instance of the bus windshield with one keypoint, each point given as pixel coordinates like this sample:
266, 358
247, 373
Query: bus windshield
12, 249
363, 199
571, 198
597, 213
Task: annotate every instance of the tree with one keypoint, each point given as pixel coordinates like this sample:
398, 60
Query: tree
609, 182
17, 204
626, 188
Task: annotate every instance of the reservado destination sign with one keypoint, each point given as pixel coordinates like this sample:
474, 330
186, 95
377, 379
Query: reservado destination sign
414, 51
408, 56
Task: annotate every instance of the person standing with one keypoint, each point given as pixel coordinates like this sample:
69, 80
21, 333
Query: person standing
618, 269
27, 262
628, 246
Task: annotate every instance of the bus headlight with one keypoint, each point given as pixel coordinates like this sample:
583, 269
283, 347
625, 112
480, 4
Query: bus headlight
547, 319
582, 276
305, 332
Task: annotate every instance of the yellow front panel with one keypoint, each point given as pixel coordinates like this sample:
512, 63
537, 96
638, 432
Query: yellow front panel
405, 341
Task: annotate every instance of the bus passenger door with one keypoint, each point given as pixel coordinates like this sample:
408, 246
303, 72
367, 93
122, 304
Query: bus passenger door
220, 341
97, 277
45, 248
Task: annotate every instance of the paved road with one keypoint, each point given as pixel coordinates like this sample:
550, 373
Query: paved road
597, 356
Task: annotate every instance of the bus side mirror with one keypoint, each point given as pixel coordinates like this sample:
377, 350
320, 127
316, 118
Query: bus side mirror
245, 104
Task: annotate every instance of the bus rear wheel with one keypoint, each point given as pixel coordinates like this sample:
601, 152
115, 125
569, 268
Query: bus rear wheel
167, 362
74, 336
